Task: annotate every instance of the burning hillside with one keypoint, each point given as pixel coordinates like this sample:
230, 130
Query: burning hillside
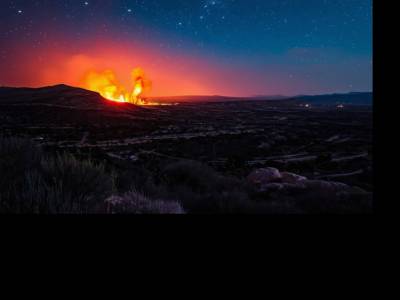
107, 85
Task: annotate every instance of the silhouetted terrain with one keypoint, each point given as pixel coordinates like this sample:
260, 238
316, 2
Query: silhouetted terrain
221, 157
62, 96
365, 98
215, 98
356, 98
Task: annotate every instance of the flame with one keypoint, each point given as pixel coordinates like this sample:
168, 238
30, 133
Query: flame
108, 86
141, 85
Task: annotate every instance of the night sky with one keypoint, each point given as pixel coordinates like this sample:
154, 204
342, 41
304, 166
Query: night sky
192, 47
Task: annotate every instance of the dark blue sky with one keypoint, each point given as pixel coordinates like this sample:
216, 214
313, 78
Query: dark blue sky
287, 47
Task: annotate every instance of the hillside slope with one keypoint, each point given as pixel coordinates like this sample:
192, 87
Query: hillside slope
58, 95
61, 104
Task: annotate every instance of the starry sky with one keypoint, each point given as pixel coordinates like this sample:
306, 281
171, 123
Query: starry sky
192, 47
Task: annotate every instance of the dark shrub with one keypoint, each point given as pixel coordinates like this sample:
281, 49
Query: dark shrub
321, 203
30, 182
17, 156
202, 190
75, 186
135, 202
194, 175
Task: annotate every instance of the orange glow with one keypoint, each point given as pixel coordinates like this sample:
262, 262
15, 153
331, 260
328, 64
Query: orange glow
172, 73
108, 86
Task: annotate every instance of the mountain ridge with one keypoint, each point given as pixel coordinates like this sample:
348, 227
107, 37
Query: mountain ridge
356, 98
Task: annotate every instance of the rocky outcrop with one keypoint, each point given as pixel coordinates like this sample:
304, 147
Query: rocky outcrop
264, 176
271, 179
291, 177
303, 195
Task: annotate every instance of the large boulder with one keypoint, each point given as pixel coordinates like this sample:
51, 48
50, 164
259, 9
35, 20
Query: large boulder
331, 188
264, 176
312, 196
271, 179
281, 187
272, 175
291, 177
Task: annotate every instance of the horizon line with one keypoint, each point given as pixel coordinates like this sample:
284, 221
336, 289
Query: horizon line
204, 95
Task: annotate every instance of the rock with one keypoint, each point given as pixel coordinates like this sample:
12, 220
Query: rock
281, 187
133, 158
273, 175
264, 146
291, 177
271, 187
272, 180
359, 191
304, 195
322, 187
264, 176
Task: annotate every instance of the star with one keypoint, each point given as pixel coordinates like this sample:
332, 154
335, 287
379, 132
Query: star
336, 32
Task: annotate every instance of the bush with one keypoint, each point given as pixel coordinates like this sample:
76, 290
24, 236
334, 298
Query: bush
134, 202
202, 190
76, 186
17, 157
194, 175
30, 182
346, 203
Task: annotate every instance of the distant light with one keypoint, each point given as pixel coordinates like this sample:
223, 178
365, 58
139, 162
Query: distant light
340, 106
307, 105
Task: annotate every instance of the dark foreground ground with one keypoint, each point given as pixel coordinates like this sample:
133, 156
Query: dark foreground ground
201, 155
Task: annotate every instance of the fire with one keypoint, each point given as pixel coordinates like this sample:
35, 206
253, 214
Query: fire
108, 86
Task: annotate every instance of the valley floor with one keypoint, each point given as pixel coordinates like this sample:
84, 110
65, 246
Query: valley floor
234, 138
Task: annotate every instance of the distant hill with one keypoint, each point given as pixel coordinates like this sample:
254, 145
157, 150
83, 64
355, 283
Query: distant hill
76, 97
269, 97
356, 98
216, 98
195, 98
59, 96
62, 105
